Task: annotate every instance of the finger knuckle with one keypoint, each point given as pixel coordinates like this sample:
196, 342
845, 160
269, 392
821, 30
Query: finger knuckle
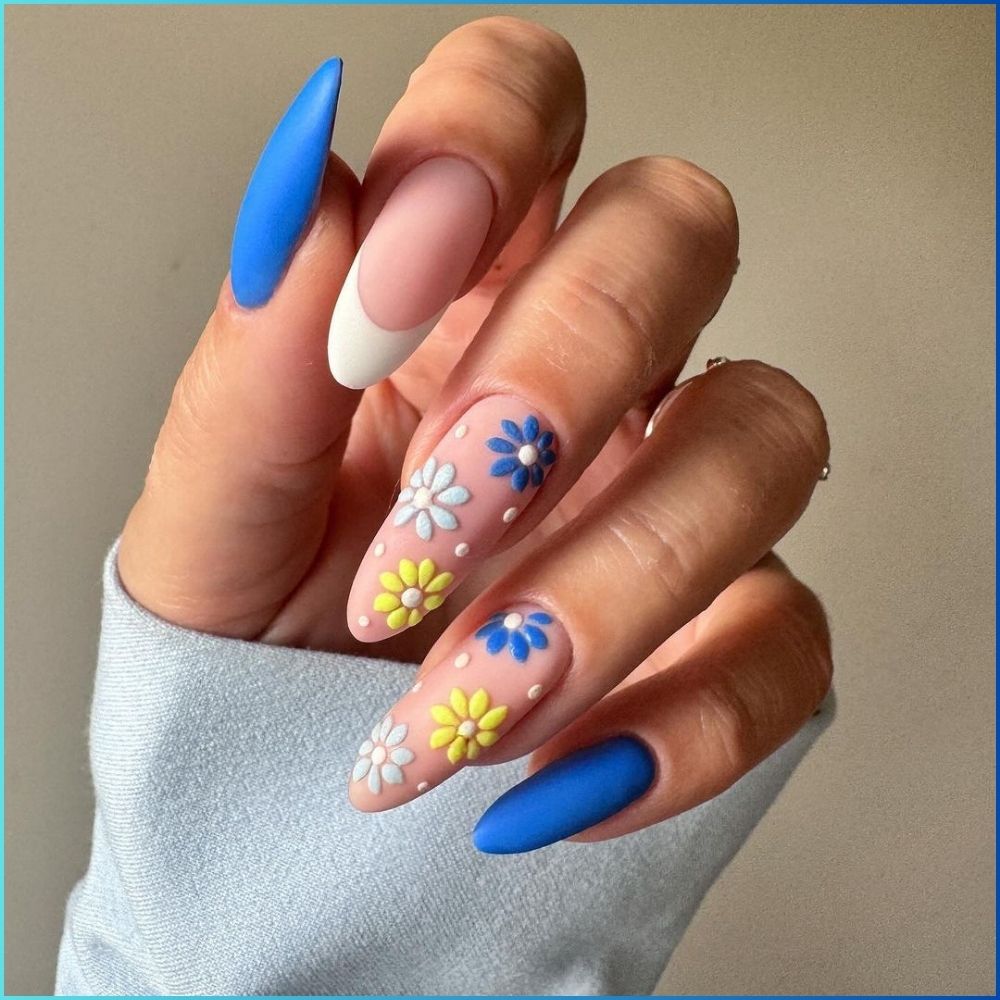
727, 727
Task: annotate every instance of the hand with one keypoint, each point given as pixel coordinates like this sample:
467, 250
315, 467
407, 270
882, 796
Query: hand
621, 590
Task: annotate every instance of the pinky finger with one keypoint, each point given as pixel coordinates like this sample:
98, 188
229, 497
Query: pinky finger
745, 679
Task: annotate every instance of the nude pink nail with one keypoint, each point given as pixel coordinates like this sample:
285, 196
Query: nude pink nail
451, 512
462, 708
409, 268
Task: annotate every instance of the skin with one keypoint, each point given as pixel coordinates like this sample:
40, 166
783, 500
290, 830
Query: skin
268, 479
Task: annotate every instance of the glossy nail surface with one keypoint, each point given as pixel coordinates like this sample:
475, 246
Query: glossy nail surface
282, 192
409, 268
451, 512
461, 708
567, 797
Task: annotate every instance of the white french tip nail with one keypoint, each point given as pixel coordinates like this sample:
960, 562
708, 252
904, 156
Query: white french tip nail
361, 352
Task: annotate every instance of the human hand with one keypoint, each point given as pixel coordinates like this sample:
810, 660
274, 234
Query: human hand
666, 638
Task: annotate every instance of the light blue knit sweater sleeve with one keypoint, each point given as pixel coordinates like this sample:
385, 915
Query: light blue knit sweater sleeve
226, 858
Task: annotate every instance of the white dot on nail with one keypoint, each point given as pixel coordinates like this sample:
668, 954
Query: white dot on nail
422, 787
462, 549
364, 621
534, 692
380, 549
462, 660
461, 430
416, 687
509, 514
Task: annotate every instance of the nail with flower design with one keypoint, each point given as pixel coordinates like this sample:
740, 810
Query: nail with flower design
463, 707
454, 510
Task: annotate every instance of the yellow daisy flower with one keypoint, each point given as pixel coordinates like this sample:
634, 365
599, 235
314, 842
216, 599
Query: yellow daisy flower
466, 724
411, 592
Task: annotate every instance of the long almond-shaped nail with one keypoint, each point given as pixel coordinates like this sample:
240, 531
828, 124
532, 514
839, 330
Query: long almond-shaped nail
463, 706
282, 192
409, 268
450, 514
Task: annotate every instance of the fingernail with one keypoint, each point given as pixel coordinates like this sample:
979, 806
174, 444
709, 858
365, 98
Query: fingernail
450, 514
462, 708
567, 797
411, 265
282, 192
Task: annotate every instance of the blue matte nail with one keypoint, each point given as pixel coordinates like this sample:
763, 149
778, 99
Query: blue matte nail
283, 189
568, 796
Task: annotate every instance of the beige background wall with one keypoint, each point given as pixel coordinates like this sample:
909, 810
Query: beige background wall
859, 146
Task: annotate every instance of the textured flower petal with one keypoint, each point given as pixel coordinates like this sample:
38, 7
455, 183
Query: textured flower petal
443, 478
361, 766
454, 496
512, 431
405, 496
459, 703
415, 481
403, 515
487, 738
547, 457
479, 703
456, 751
530, 429
472, 750
367, 746
536, 636
497, 641
433, 601
439, 582
374, 734
501, 445
386, 603
384, 727
402, 755
415, 617
397, 619
442, 737
443, 518
541, 617
519, 647
374, 781
408, 572
396, 735
426, 572
427, 475
490, 627
505, 466
444, 716
391, 773
391, 582
424, 527
537, 475
493, 718
545, 440
520, 478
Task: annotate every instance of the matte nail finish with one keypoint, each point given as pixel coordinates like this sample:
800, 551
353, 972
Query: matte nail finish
567, 797
450, 514
409, 268
282, 192
461, 708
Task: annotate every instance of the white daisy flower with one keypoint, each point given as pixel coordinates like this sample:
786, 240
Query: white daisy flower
382, 758
428, 498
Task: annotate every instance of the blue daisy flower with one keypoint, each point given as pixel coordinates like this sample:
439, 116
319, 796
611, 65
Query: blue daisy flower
519, 633
526, 450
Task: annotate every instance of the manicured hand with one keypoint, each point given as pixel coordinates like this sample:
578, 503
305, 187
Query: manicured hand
490, 504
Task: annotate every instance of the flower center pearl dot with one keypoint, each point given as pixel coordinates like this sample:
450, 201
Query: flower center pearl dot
462, 549
467, 729
509, 514
513, 621
461, 430
422, 498
412, 597
364, 621
380, 549
462, 660
378, 755
527, 454
534, 691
